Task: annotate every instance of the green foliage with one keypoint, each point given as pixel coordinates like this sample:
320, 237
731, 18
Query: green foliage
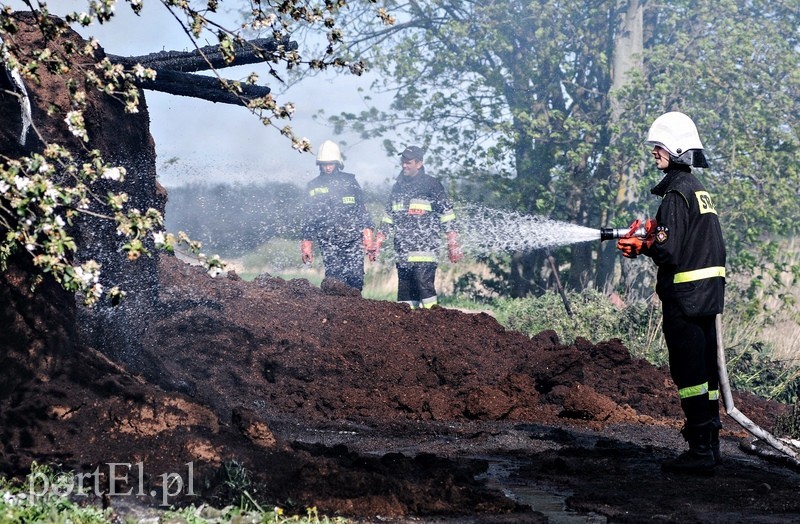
518, 97
789, 424
751, 369
485, 288
37, 499
594, 318
745, 102
38, 209
207, 515
44, 497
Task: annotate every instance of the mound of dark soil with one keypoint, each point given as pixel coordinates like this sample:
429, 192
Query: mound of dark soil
358, 407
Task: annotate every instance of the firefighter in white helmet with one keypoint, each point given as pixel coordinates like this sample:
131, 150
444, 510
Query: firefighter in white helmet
685, 241
417, 212
336, 218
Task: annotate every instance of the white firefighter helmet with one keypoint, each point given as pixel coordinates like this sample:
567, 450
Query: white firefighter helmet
329, 152
676, 132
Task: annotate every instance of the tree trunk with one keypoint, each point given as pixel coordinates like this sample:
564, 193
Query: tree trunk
628, 49
526, 273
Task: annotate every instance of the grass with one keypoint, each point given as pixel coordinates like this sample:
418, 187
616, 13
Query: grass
205, 514
44, 496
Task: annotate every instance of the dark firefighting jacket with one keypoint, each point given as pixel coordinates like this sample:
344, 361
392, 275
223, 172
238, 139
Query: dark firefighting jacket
334, 210
418, 211
689, 249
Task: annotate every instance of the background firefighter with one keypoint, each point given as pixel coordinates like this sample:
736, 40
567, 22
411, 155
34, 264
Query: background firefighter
685, 241
417, 212
336, 218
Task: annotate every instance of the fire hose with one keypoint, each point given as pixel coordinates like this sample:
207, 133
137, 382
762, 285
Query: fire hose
727, 401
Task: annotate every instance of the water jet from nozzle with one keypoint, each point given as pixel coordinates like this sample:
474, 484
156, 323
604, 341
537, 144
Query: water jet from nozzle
485, 230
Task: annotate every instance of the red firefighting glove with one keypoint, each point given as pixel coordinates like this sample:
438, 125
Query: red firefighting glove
305, 252
368, 241
650, 232
373, 252
453, 247
631, 245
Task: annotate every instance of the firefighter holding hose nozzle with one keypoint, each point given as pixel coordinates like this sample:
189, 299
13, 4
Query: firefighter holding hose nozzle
685, 242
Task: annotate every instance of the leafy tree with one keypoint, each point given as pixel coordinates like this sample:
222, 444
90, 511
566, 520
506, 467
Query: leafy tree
510, 95
545, 105
735, 67
45, 187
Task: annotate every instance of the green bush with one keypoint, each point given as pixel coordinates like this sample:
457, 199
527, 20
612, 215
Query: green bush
594, 317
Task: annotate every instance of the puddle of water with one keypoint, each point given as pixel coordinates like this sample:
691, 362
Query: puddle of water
499, 474
548, 502
552, 505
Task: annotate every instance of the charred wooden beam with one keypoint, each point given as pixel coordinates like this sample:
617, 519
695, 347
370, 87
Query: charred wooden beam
205, 58
174, 70
205, 87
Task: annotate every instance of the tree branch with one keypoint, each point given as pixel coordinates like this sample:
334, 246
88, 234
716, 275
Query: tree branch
203, 87
174, 70
208, 57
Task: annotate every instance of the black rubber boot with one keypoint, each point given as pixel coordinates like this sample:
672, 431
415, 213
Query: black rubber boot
699, 459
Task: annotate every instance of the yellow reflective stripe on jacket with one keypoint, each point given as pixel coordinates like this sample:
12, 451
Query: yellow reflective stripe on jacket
694, 391
419, 204
713, 394
349, 200
698, 274
398, 206
318, 191
448, 217
387, 220
421, 256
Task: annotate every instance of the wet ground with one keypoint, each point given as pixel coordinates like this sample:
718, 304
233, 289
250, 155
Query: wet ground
571, 475
372, 411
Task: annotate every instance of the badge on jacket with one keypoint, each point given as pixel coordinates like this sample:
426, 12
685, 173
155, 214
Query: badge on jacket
662, 234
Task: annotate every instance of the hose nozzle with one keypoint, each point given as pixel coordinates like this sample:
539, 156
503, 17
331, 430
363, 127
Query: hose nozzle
610, 233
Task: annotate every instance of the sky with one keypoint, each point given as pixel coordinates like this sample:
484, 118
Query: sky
201, 141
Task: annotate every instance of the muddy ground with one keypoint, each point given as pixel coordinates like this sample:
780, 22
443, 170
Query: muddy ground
369, 410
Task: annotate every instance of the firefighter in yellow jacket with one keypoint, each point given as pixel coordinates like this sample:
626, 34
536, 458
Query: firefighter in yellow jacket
336, 218
418, 211
685, 242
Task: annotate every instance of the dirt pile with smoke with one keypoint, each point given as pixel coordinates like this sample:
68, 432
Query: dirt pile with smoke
365, 408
